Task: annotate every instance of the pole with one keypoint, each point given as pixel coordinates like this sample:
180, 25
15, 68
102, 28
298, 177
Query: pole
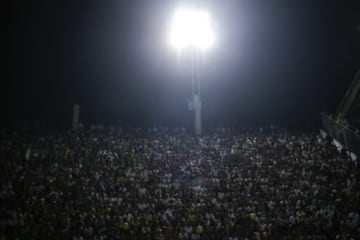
197, 115
76, 113
196, 94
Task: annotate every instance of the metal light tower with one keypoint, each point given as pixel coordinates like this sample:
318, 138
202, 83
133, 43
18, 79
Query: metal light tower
191, 29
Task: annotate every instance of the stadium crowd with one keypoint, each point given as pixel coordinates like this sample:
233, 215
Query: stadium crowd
168, 184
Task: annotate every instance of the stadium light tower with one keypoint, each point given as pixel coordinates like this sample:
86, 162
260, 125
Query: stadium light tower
191, 30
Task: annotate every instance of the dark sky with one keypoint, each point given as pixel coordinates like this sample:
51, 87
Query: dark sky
274, 62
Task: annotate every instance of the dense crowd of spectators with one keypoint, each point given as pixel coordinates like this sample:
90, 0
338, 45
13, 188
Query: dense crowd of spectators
162, 184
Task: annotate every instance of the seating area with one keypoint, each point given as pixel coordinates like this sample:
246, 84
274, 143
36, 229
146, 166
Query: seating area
168, 184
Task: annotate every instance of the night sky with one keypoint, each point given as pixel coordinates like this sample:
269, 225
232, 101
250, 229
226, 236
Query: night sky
280, 62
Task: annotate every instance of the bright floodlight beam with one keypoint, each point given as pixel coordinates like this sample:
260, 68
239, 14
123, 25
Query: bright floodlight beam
191, 28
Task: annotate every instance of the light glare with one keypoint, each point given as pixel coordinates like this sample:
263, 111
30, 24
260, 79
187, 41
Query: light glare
191, 29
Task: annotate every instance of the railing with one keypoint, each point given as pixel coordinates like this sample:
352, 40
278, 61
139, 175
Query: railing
342, 131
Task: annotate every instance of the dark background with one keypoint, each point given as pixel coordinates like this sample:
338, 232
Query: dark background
279, 62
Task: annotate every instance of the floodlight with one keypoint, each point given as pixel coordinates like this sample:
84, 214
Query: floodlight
191, 28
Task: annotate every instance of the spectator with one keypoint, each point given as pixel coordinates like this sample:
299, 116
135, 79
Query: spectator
96, 184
